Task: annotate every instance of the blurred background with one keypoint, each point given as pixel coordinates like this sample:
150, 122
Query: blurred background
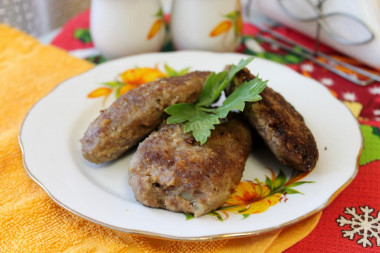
351, 20
39, 17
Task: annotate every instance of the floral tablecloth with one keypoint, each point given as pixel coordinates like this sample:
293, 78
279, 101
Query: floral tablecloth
351, 223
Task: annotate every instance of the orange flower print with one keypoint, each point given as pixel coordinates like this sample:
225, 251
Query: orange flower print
132, 78
233, 19
256, 197
157, 25
138, 76
154, 29
252, 194
127, 80
222, 27
99, 92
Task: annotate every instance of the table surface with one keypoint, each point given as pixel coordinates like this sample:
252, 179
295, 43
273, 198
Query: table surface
364, 102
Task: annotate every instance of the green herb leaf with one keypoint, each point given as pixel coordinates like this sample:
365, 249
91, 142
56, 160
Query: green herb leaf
185, 112
247, 92
201, 127
199, 118
222, 84
234, 69
210, 89
200, 123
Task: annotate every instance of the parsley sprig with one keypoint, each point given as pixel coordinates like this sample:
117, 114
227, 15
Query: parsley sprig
200, 118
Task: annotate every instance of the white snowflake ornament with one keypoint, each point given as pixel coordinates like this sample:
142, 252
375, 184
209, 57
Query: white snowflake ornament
364, 225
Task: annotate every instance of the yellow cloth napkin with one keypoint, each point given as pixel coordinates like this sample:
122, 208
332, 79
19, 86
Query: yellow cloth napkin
29, 220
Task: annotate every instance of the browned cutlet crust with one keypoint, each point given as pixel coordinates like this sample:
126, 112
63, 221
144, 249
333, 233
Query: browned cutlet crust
281, 126
170, 170
136, 114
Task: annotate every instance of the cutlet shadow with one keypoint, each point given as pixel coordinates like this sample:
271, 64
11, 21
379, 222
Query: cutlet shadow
265, 156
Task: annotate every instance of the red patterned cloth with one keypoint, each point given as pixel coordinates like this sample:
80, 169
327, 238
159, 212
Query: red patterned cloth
66, 40
351, 222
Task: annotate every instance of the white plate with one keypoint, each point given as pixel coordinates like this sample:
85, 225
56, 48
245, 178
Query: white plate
50, 135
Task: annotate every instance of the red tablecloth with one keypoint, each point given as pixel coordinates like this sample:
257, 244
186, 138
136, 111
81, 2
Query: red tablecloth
352, 222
